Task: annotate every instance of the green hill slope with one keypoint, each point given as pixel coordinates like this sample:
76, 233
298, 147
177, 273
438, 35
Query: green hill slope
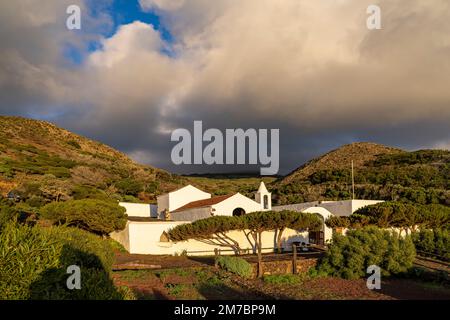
380, 173
40, 162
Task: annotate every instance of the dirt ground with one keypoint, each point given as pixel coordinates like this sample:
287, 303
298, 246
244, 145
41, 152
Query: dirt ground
211, 284
181, 277
123, 260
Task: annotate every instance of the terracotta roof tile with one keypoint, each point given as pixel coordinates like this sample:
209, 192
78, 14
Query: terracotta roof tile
203, 203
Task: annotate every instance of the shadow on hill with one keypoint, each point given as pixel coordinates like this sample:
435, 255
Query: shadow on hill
95, 279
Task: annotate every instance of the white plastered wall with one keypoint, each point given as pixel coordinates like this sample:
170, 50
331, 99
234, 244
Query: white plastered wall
137, 209
226, 207
176, 199
144, 238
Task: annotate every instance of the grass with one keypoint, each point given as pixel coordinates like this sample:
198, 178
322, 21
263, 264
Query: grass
283, 279
178, 271
176, 289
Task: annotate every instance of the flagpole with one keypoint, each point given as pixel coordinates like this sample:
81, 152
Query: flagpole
353, 183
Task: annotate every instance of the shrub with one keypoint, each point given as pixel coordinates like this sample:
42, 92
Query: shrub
128, 198
97, 216
59, 172
87, 192
282, 279
433, 242
315, 273
34, 260
36, 201
129, 186
396, 214
349, 256
235, 265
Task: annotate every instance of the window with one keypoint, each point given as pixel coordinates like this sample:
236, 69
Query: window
238, 212
266, 202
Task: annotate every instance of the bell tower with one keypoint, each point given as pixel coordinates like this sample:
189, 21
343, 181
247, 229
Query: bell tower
264, 197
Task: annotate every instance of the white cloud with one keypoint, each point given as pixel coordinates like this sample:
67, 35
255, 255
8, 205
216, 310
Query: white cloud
129, 40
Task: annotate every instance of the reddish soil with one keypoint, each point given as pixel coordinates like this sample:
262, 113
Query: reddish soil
123, 260
164, 261
194, 278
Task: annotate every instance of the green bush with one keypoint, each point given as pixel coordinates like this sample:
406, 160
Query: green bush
81, 192
315, 273
97, 216
129, 186
235, 265
34, 260
433, 242
36, 201
349, 256
282, 279
59, 172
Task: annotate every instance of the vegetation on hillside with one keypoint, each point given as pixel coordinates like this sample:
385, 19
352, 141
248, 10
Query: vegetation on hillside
400, 215
40, 163
380, 172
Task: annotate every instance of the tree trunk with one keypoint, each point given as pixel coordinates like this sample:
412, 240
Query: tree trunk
260, 267
280, 233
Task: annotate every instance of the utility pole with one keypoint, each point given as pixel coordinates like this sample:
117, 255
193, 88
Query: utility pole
353, 183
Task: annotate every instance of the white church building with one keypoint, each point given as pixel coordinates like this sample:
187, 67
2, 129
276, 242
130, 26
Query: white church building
147, 224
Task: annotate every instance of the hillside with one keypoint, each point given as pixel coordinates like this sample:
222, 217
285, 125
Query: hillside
40, 162
381, 172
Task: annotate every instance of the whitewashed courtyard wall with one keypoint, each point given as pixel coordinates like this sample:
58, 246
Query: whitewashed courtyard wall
144, 238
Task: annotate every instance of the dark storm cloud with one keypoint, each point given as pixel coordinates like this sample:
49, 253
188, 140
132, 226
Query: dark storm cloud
309, 68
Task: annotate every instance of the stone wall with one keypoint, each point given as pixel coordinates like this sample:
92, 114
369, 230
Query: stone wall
285, 266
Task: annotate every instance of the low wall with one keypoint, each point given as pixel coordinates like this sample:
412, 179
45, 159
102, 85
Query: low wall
285, 266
